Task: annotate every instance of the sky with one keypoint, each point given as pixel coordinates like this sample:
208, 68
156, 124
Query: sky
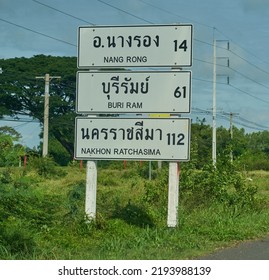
240, 28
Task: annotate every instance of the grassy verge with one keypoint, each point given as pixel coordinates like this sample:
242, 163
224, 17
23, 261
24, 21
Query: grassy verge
42, 216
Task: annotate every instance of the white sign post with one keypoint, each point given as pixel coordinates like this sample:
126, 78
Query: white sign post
173, 192
91, 191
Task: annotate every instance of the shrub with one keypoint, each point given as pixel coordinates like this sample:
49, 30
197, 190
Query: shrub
225, 184
6, 176
45, 167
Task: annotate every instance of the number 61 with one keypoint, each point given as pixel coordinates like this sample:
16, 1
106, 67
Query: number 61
178, 92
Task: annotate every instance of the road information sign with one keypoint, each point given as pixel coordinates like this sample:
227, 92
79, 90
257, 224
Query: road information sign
133, 92
132, 138
135, 46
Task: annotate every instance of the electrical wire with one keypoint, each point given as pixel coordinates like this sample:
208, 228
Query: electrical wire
244, 49
121, 10
248, 78
247, 93
174, 14
224, 115
210, 44
197, 40
64, 13
37, 32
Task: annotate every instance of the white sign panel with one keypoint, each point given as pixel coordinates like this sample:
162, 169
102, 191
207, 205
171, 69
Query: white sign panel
135, 46
132, 138
135, 92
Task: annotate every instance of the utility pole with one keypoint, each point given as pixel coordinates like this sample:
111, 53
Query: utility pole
214, 133
214, 108
47, 79
231, 133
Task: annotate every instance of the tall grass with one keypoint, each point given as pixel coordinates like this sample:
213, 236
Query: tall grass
42, 213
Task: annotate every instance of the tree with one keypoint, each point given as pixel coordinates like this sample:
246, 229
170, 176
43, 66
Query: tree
22, 93
9, 151
201, 143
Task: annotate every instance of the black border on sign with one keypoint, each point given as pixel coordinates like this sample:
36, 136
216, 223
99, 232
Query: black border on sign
133, 66
130, 158
132, 112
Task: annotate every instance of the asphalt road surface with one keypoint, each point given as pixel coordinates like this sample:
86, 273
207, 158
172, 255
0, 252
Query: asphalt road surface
250, 250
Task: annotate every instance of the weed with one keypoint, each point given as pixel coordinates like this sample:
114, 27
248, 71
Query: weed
46, 167
133, 214
16, 238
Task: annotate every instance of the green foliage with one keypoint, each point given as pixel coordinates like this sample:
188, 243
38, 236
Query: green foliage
24, 213
134, 215
225, 184
75, 198
10, 153
6, 176
255, 161
45, 166
201, 135
22, 93
16, 238
250, 150
58, 152
43, 218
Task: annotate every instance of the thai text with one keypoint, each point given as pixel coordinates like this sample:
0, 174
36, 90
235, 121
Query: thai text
126, 86
136, 132
138, 41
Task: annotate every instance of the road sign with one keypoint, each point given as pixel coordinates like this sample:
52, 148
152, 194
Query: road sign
133, 92
132, 138
135, 46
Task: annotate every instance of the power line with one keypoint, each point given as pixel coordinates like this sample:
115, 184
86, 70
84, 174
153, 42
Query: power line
18, 120
251, 122
174, 14
121, 10
37, 32
67, 14
250, 63
236, 88
248, 78
244, 49
247, 93
210, 44
166, 11
140, 18
224, 115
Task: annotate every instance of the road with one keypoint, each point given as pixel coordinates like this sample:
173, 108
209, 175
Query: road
250, 250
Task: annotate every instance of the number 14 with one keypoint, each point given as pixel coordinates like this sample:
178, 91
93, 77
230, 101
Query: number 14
182, 46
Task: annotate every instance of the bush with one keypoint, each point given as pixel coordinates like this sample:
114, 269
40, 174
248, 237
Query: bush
155, 197
6, 176
258, 161
45, 167
225, 184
